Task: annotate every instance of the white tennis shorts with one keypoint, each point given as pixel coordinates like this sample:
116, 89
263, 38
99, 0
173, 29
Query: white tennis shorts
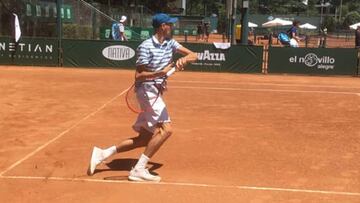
153, 108
294, 43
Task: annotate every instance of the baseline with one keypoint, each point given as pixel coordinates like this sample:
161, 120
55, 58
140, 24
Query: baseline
240, 187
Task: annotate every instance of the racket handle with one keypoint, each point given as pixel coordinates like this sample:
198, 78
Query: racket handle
171, 71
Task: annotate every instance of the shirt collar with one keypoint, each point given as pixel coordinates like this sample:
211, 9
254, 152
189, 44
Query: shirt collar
156, 41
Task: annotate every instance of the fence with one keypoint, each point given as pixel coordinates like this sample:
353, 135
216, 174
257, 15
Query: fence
83, 20
238, 58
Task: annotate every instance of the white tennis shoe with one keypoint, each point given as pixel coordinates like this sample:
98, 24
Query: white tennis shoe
96, 158
143, 175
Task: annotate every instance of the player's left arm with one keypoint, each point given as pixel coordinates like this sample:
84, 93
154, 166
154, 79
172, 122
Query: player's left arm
122, 32
296, 36
123, 36
188, 57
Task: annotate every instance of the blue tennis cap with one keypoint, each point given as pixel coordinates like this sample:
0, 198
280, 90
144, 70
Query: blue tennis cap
161, 18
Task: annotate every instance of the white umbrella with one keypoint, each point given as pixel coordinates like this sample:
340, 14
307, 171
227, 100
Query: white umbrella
252, 24
354, 26
277, 22
308, 26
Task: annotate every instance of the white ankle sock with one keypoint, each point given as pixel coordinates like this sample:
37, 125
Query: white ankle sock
109, 151
141, 164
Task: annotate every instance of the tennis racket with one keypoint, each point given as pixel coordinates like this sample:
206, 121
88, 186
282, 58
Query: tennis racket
140, 100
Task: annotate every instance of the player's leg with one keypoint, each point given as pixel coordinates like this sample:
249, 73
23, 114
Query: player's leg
159, 121
139, 173
140, 141
163, 132
99, 155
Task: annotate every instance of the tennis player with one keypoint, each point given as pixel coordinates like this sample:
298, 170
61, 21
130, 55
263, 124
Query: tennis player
122, 28
293, 34
154, 61
118, 29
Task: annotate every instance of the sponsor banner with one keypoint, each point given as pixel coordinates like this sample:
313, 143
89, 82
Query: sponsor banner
88, 53
238, 58
29, 51
321, 61
117, 54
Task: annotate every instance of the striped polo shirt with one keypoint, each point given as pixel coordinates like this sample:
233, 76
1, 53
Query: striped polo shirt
155, 55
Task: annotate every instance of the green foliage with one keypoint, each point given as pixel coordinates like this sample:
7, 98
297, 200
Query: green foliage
205, 7
354, 6
74, 31
329, 23
350, 9
283, 7
351, 18
222, 19
194, 6
159, 5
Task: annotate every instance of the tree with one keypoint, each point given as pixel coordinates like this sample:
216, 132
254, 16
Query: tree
351, 18
329, 23
283, 7
159, 6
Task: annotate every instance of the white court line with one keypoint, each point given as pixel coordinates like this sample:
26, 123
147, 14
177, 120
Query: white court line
262, 84
61, 134
263, 90
240, 187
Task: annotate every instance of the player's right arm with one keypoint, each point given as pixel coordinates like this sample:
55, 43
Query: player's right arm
142, 75
188, 57
295, 36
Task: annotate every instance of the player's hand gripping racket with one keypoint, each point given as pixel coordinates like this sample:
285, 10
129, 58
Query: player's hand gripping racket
144, 100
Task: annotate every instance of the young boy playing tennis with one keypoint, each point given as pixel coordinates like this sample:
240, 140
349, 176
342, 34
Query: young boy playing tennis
154, 61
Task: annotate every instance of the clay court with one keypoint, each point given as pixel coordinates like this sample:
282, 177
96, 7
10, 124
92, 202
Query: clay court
237, 138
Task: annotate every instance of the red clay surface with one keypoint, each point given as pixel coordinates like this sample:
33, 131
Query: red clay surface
237, 138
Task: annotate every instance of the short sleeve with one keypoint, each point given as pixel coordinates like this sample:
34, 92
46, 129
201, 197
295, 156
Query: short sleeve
175, 45
143, 55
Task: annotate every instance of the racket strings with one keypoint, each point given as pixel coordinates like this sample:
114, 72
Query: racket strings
145, 99
149, 94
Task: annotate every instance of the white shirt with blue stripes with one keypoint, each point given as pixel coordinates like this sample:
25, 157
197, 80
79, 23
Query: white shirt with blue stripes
155, 55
